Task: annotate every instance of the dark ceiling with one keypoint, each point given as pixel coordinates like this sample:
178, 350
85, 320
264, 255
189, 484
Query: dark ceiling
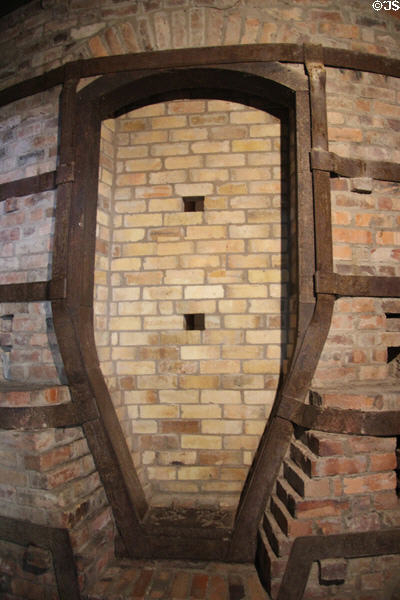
7, 6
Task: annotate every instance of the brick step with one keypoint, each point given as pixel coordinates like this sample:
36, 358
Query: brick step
270, 567
315, 466
278, 541
287, 495
302, 456
300, 508
379, 395
324, 444
15, 394
303, 484
288, 525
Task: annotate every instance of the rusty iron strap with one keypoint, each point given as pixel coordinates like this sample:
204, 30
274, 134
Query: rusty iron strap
306, 550
286, 52
335, 420
352, 167
314, 62
38, 183
313, 57
35, 291
357, 285
25, 418
28, 185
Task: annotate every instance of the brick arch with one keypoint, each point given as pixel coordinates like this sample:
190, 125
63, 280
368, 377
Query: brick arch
178, 28
231, 23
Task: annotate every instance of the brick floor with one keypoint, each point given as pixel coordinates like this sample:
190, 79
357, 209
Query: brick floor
175, 580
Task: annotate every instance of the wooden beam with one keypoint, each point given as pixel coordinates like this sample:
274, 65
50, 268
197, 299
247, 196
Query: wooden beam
353, 167
301, 188
314, 62
157, 60
313, 56
65, 185
28, 185
35, 85
226, 83
298, 380
24, 418
292, 53
73, 315
38, 183
33, 291
361, 61
357, 285
335, 420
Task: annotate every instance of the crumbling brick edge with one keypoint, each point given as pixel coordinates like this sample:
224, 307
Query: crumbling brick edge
307, 549
54, 539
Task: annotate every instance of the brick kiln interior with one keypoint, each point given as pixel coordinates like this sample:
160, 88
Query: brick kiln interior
200, 299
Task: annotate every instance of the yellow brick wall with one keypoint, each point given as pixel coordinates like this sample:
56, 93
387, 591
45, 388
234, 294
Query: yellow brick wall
192, 403
103, 246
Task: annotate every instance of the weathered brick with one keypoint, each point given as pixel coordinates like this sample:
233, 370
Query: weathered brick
198, 381
180, 427
131, 179
205, 291
211, 442
219, 366
175, 248
198, 352
221, 427
125, 323
169, 122
205, 232
246, 291
158, 411
369, 483
201, 411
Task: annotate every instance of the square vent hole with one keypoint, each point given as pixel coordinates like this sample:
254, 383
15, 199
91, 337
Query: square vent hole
195, 321
393, 324
193, 203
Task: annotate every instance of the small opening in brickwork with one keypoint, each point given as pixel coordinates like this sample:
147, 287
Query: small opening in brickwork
393, 352
195, 321
193, 203
7, 318
398, 465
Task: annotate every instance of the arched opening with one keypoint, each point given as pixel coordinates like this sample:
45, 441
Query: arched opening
220, 520
191, 292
